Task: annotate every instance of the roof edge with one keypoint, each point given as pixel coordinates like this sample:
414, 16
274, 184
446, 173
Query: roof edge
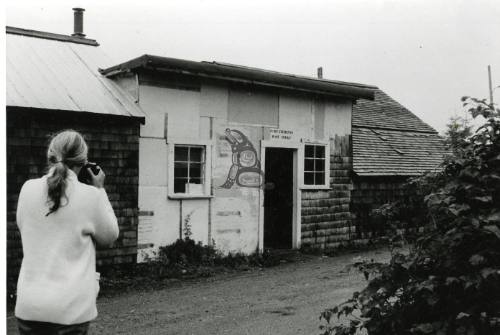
141, 119
244, 74
390, 174
403, 130
50, 36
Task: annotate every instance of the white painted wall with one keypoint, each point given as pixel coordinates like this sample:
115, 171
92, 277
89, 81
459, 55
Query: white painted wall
164, 226
295, 113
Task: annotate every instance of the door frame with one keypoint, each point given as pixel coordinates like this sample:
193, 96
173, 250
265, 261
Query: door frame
298, 149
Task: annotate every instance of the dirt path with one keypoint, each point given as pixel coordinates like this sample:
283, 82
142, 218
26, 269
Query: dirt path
286, 299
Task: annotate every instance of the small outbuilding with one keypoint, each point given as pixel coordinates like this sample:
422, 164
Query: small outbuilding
247, 159
390, 144
53, 84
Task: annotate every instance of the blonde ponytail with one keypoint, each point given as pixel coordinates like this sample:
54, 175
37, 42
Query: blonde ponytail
66, 150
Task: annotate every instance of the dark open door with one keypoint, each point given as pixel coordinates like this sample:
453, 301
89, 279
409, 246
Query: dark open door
278, 198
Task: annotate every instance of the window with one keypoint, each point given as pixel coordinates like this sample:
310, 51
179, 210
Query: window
189, 169
314, 165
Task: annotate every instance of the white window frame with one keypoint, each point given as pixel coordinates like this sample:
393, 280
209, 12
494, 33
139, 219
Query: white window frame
207, 186
326, 184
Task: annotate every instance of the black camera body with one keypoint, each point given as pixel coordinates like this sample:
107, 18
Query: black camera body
84, 176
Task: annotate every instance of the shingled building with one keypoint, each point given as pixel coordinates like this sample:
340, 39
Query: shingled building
53, 84
389, 145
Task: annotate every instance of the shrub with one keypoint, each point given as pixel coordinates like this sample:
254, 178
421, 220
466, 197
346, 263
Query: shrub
184, 252
449, 283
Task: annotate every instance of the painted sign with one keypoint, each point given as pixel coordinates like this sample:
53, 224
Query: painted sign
280, 134
245, 170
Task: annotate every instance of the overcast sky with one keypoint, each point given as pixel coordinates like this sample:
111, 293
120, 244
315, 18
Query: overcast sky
425, 54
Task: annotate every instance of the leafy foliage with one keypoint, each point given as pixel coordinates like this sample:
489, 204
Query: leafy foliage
449, 283
457, 133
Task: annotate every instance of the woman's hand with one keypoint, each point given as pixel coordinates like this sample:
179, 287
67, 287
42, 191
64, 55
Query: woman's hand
97, 180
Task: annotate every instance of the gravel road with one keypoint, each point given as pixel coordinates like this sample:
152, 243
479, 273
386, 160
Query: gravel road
286, 299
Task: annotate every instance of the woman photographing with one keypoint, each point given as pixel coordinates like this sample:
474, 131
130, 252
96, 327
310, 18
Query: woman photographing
60, 219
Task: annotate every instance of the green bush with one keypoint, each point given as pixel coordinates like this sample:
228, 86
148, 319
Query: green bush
449, 283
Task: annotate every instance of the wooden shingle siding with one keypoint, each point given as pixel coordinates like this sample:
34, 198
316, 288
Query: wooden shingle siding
326, 217
113, 143
369, 193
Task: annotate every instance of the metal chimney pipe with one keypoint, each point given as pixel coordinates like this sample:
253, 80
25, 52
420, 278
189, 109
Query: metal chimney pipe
320, 72
78, 22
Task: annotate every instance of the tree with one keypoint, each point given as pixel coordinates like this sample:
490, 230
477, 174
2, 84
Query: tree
449, 283
458, 131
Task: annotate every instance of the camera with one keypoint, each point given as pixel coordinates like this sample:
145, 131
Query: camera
84, 176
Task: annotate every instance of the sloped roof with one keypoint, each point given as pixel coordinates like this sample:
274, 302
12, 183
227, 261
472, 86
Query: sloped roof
243, 74
388, 139
378, 152
48, 71
385, 112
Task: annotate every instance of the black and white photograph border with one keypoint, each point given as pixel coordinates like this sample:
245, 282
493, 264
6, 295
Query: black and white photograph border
251, 166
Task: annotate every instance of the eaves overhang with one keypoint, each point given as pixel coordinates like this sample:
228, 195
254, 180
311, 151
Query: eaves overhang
244, 75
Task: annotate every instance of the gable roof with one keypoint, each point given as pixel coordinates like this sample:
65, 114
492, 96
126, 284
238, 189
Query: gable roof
388, 139
242, 74
52, 71
385, 112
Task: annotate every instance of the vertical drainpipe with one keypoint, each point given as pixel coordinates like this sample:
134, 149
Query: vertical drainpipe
211, 118
180, 219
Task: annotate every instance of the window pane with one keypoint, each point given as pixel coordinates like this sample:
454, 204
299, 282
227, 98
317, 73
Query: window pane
180, 185
309, 165
180, 170
196, 154
320, 151
309, 150
319, 165
195, 180
320, 178
195, 170
181, 154
309, 178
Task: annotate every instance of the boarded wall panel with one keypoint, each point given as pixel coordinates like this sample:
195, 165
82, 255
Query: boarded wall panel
153, 162
181, 106
253, 107
213, 101
338, 118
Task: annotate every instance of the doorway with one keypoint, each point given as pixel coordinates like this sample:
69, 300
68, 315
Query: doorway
278, 198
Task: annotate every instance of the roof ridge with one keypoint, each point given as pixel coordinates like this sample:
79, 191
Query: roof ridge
50, 36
